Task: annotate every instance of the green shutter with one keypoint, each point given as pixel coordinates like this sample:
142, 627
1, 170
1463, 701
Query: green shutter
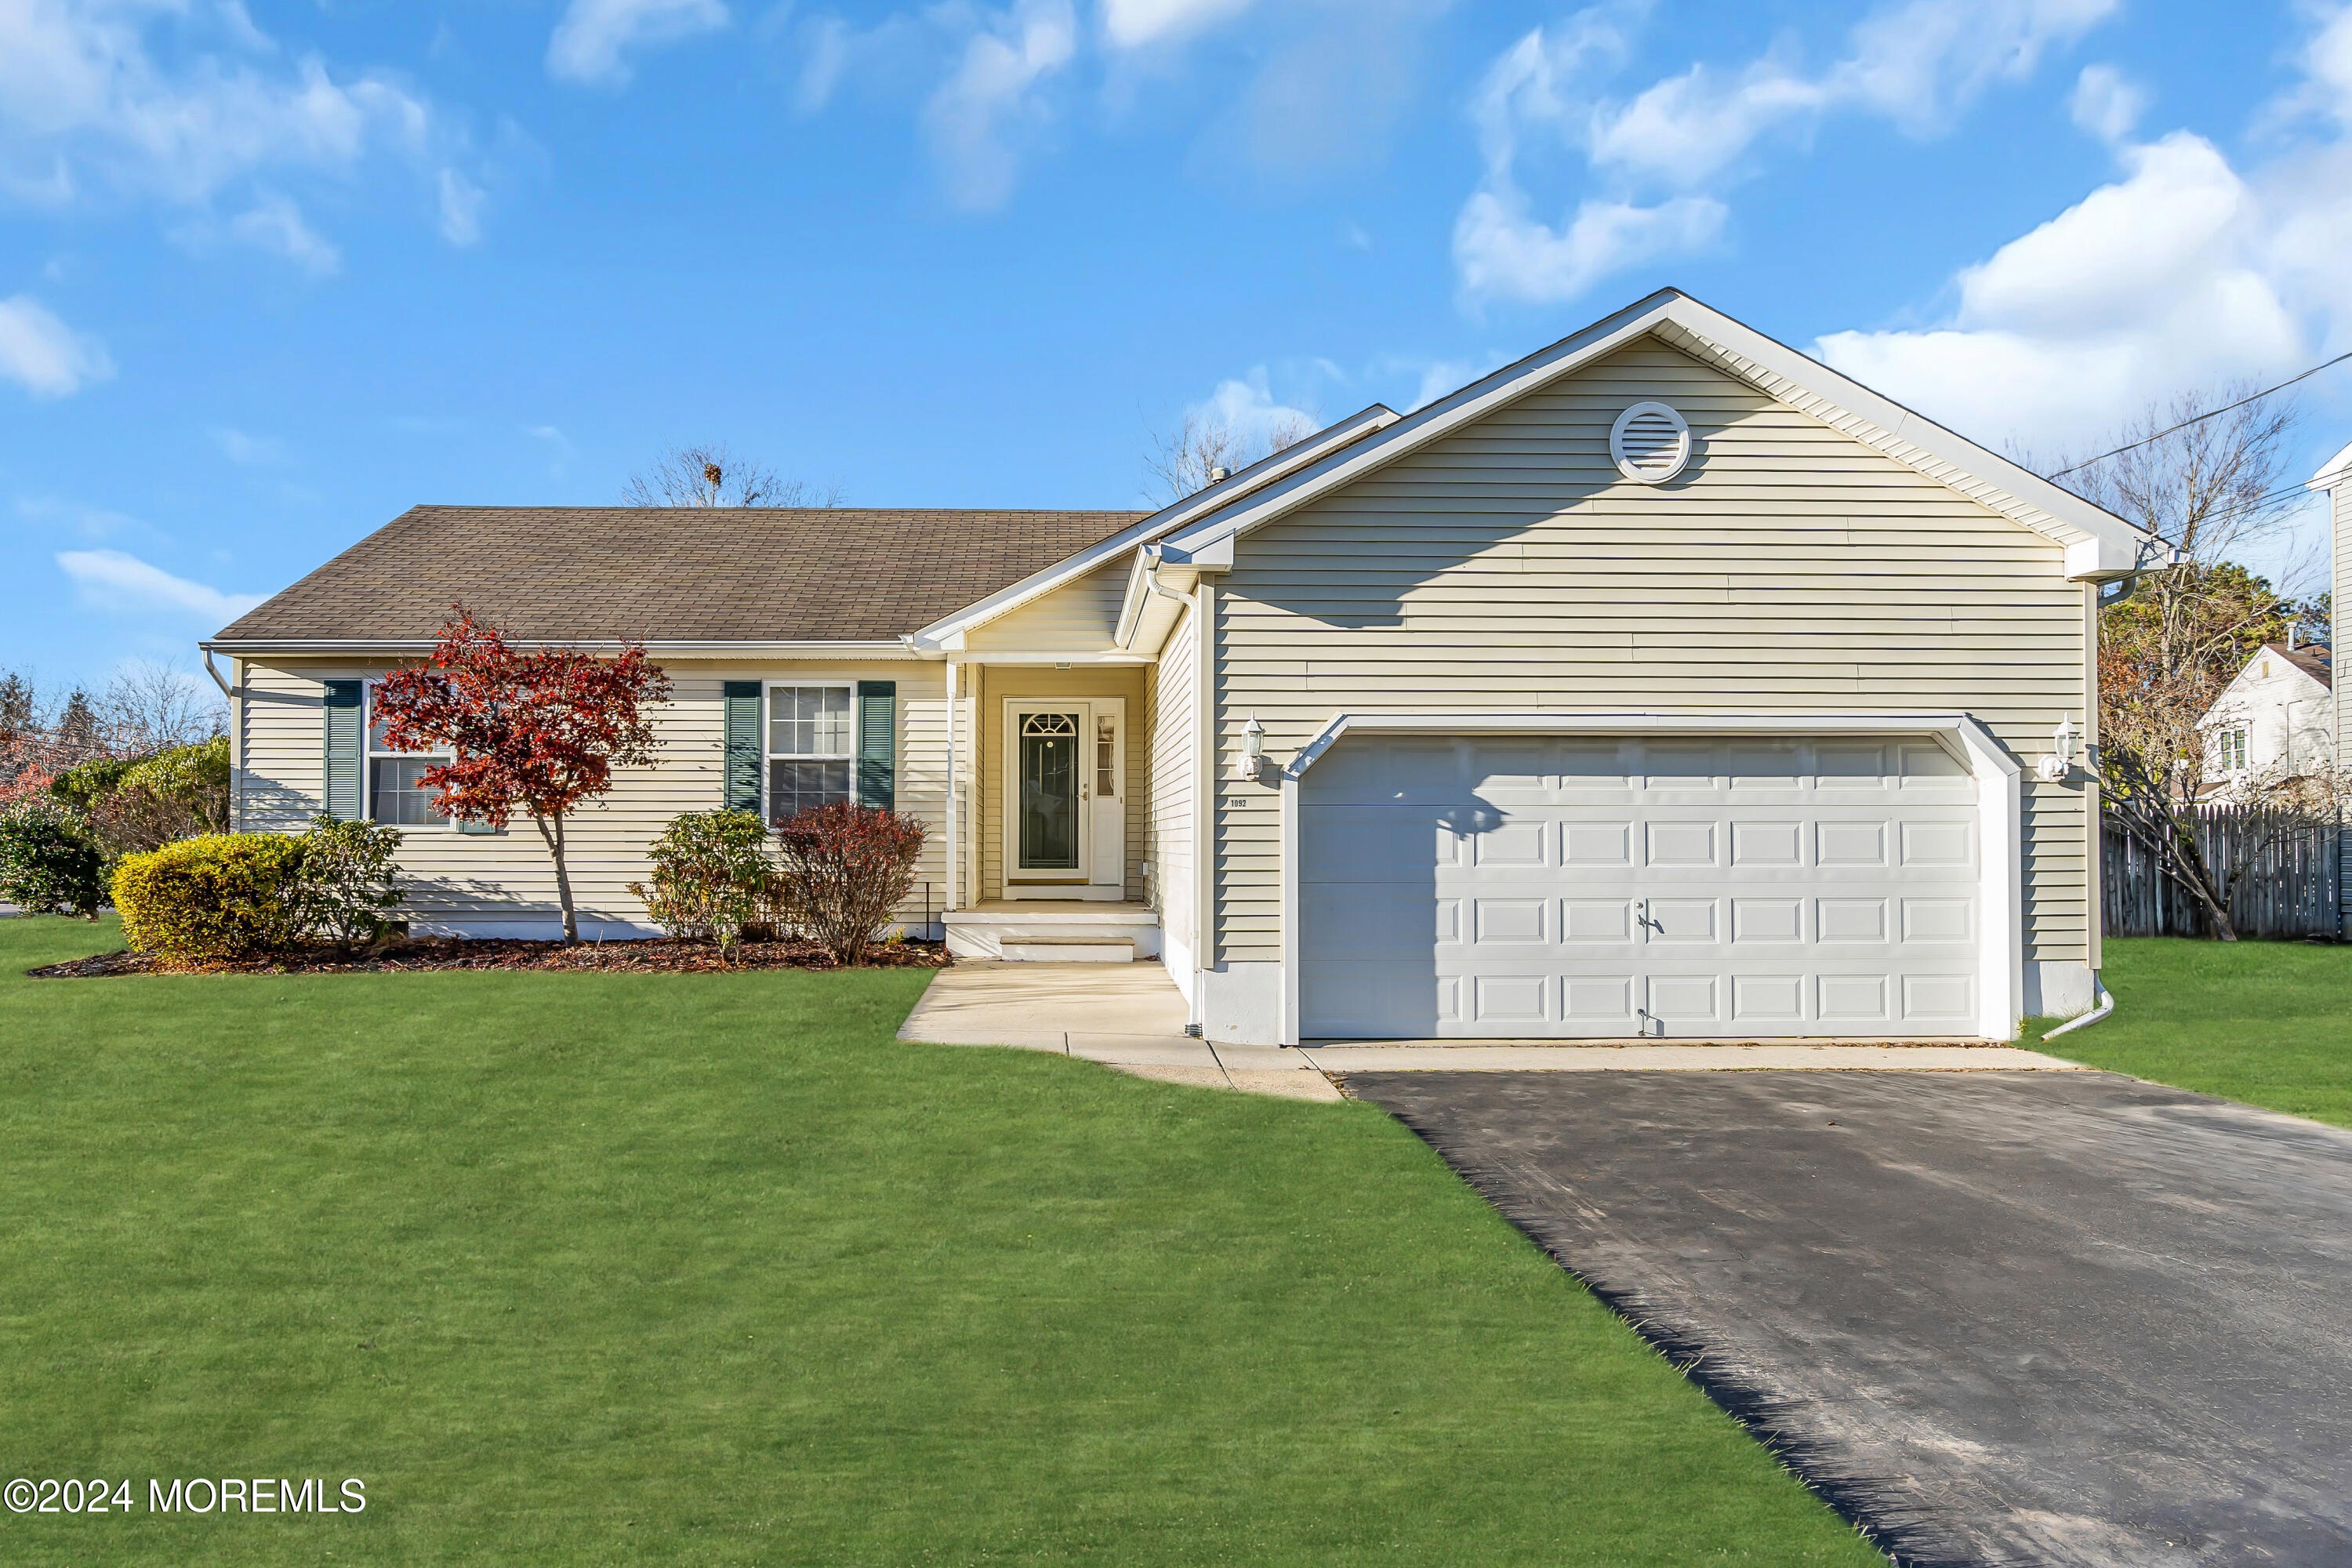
877, 744
742, 783
343, 791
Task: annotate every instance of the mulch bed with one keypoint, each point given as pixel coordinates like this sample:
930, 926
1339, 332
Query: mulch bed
659, 955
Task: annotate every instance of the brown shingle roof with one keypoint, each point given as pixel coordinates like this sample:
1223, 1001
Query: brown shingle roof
671, 574
2314, 659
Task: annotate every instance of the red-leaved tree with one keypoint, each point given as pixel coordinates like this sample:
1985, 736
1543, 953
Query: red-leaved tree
530, 732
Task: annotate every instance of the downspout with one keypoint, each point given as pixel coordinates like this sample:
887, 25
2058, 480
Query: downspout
2106, 1005
213, 670
1153, 559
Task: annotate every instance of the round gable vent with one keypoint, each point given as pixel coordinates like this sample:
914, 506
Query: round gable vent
1650, 443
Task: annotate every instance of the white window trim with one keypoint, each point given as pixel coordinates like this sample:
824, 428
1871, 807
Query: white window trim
1999, 813
767, 758
368, 755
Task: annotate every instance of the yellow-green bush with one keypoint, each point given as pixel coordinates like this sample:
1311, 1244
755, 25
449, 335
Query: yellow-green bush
224, 896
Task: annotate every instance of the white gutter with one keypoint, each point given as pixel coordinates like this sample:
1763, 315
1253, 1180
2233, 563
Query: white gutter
893, 648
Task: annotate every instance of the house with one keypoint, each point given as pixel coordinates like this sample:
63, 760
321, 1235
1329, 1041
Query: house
1663, 683
2275, 720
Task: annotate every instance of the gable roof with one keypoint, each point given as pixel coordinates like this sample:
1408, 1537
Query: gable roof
2333, 473
2098, 543
668, 574
1365, 422
2312, 659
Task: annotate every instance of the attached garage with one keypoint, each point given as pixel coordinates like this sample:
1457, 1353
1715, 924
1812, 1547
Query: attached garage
1842, 881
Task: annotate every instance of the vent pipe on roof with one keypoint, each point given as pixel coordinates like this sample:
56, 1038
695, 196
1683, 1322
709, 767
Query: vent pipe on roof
1220, 474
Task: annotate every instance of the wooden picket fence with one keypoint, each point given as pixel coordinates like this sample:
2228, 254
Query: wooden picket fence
2289, 866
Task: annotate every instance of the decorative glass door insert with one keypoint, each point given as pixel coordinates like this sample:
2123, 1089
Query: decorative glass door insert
1048, 786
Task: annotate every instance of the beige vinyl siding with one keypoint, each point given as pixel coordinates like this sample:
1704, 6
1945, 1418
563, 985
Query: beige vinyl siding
1789, 570
1169, 727
507, 876
1079, 617
1001, 681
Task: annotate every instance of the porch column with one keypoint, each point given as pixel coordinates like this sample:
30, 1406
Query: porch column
955, 854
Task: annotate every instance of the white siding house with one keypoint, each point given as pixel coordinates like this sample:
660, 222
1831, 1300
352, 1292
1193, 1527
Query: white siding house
2275, 722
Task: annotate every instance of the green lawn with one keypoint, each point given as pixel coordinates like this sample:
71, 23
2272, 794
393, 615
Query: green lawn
2269, 1023
708, 1269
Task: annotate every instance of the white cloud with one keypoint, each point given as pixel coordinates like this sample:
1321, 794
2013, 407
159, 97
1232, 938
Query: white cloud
45, 356
461, 208
591, 41
90, 108
991, 98
2184, 272
275, 224
1503, 253
1246, 406
1661, 156
248, 451
1133, 24
2107, 103
112, 580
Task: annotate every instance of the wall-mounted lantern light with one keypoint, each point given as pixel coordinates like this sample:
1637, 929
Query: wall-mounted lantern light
2065, 743
1253, 748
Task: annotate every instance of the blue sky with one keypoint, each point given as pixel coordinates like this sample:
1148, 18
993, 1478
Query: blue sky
271, 273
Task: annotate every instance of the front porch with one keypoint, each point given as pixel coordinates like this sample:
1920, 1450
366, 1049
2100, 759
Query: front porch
1046, 814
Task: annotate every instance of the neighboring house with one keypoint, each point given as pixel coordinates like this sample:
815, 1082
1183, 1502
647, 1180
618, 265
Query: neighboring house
2275, 722
1665, 682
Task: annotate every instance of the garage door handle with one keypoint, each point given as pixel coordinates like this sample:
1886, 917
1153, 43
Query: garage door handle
1646, 920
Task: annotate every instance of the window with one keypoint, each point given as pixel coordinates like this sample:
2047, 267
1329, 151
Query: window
2234, 751
811, 747
395, 795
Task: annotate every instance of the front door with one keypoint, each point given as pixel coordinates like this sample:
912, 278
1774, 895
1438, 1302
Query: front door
1064, 829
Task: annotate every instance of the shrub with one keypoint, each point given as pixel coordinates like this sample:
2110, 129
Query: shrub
84, 785
192, 777
846, 870
50, 863
222, 896
712, 876
145, 804
349, 880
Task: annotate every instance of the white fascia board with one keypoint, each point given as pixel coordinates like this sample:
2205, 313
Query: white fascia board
1805, 384
2332, 473
1264, 471
895, 647
992, 657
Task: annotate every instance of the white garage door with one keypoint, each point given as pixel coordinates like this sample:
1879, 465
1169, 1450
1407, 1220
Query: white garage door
1541, 886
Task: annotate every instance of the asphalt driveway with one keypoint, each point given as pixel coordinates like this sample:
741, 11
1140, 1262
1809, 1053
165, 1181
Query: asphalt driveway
1997, 1318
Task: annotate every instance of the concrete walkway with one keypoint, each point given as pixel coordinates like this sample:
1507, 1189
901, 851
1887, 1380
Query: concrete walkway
1130, 1016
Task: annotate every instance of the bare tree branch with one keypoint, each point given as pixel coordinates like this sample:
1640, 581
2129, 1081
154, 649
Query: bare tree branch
713, 476
1203, 448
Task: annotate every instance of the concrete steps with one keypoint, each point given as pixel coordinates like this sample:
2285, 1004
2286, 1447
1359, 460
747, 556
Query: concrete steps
1061, 932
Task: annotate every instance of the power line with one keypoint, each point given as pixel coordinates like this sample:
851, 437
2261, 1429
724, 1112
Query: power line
2185, 423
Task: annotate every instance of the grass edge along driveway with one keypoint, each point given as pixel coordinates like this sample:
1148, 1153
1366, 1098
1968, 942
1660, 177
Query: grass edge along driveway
2263, 1023
710, 1268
